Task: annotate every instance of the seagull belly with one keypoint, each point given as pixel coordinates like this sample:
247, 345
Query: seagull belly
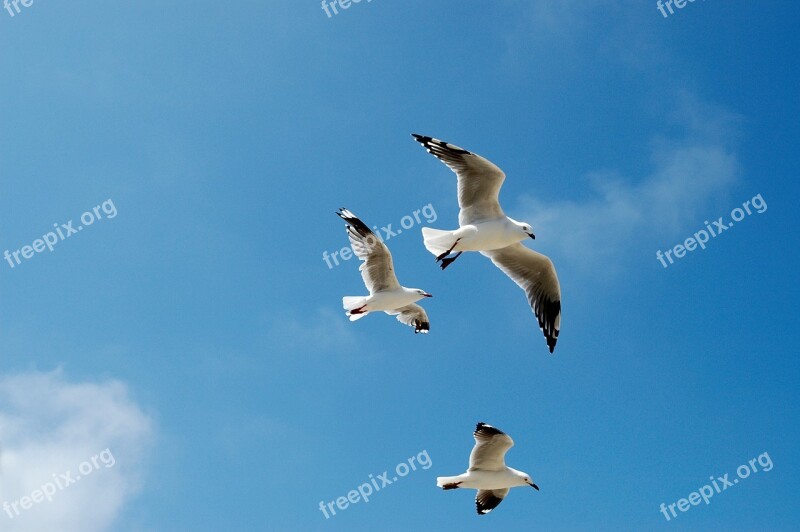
390, 300
489, 480
486, 236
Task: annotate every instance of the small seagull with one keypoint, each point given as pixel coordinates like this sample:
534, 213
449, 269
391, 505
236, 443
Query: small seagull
487, 471
385, 292
484, 227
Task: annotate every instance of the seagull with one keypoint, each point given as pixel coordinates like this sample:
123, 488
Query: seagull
385, 292
484, 227
487, 471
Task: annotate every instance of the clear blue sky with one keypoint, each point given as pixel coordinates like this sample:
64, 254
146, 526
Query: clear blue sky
199, 334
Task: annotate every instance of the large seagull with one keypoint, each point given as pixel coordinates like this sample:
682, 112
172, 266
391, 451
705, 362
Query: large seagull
385, 292
484, 227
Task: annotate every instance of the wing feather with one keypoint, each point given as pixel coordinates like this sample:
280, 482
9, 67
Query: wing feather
479, 180
415, 316
488, 500
377, 270
536, 275
490, 449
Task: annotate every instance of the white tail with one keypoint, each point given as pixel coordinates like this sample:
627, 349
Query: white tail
441, 481
353, 302
436, 240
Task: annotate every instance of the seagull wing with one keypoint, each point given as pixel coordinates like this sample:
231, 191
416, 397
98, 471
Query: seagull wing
479, 180
488, 500
535, 274
413, 315
490, 449
377, 269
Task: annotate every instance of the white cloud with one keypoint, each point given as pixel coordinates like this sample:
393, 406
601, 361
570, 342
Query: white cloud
628, 214
50, 426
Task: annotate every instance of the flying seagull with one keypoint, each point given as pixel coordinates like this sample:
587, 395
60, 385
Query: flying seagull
385, 292
484, 227
487, 471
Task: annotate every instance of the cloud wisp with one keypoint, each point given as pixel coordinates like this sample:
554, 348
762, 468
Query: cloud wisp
623, 214
49, 425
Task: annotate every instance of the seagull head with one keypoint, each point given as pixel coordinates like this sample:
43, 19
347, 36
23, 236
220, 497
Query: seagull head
526, 479
526, 229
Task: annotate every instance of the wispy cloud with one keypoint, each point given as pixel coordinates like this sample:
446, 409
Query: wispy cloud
629, 213
49, 426
325, 332
322, 331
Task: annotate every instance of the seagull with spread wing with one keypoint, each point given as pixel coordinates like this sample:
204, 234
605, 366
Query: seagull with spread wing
377, 270
484, 227
487, 471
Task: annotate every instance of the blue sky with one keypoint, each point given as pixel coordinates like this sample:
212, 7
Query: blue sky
198, 334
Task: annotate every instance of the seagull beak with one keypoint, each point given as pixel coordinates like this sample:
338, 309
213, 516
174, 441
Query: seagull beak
534, 486
427, 295
532, 236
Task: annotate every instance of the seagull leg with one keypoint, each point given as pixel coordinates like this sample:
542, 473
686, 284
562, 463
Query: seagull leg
451, 486
359, 310
448, 261
449, 251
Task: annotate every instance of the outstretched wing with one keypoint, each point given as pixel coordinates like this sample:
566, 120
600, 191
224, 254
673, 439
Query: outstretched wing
377, 270
415, 316
479, 180
490, 449
535, 274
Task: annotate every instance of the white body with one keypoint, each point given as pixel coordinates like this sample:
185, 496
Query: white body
486, 480
386, 300
481, 236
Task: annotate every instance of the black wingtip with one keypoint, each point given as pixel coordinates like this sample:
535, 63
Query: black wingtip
356, 224
487, 429
485, 501
423, 327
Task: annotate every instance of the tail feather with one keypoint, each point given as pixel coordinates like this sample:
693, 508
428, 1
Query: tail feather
441, 481
353, 302
437, 241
